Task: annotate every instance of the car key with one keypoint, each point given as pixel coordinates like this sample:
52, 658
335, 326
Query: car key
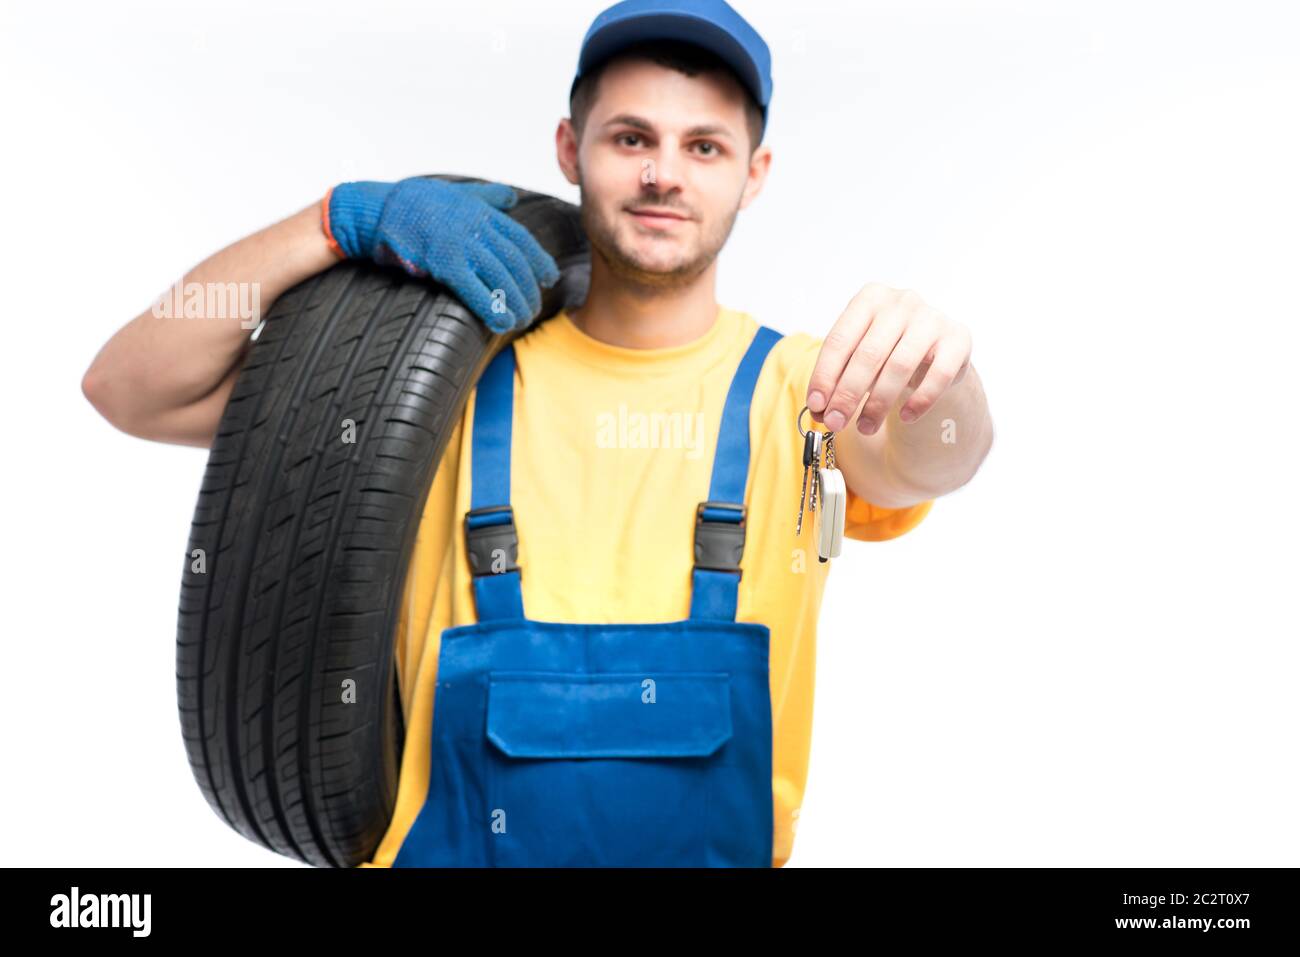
812, 442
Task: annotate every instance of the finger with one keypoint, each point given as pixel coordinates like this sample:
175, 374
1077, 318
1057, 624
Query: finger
951, 360
494, 194
505, 290
539, 260
478, 299
510, 254
888, 326
839, 345
912, 349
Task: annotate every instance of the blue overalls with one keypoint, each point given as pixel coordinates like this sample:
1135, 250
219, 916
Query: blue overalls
558, 744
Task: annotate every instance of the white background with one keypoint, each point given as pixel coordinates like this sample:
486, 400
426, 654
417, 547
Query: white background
1085, 657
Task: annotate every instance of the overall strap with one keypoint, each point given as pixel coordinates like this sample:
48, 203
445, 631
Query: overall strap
720, 521
491, 542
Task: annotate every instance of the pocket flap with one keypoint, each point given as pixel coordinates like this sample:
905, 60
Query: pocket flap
550, 715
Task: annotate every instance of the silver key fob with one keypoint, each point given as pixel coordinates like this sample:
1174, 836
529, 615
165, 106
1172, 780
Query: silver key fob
830, 526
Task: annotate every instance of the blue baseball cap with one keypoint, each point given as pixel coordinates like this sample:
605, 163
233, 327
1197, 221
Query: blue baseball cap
711, 24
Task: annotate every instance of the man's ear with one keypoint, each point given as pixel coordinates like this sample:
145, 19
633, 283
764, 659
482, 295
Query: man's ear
759, 164
566, 150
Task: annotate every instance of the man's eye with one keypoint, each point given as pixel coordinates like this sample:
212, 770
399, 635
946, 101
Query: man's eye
713, 148
625, 136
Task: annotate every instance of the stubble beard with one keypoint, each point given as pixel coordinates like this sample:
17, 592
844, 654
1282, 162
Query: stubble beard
623, 263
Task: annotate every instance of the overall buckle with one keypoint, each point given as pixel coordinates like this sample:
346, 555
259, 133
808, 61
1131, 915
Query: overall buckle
487, 530
719, 535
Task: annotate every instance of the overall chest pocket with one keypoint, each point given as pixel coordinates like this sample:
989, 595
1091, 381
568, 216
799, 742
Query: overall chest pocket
605, 769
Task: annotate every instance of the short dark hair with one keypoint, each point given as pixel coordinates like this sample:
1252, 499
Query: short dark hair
677, 55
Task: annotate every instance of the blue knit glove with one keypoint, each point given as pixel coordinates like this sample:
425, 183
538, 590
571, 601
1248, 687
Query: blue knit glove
454, 233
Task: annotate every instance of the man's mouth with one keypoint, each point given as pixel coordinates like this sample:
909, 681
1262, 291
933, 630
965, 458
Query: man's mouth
658, 216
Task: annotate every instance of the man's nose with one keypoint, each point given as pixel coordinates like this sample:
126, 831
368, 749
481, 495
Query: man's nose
664, 169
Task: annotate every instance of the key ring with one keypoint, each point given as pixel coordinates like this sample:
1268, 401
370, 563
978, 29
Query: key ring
798, 422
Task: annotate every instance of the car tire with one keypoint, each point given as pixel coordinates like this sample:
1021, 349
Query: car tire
290, 708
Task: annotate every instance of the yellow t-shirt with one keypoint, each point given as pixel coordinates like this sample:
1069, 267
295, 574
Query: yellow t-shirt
612, 450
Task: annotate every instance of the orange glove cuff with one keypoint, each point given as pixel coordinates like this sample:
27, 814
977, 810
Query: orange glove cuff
325, 225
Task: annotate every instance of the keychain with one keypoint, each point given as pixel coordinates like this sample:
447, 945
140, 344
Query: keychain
833, 494
826, 483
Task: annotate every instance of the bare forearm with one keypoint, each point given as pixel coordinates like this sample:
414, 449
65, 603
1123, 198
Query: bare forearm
166, 376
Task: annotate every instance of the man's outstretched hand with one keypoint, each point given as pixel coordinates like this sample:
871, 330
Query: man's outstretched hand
885, 341
892, 348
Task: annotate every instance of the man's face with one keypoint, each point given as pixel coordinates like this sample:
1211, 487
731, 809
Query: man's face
662, 168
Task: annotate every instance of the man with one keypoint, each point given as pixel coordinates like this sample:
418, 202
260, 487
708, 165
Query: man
618, 402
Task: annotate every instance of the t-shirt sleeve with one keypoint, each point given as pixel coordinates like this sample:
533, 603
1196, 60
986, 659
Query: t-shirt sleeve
862, 520
872, 523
